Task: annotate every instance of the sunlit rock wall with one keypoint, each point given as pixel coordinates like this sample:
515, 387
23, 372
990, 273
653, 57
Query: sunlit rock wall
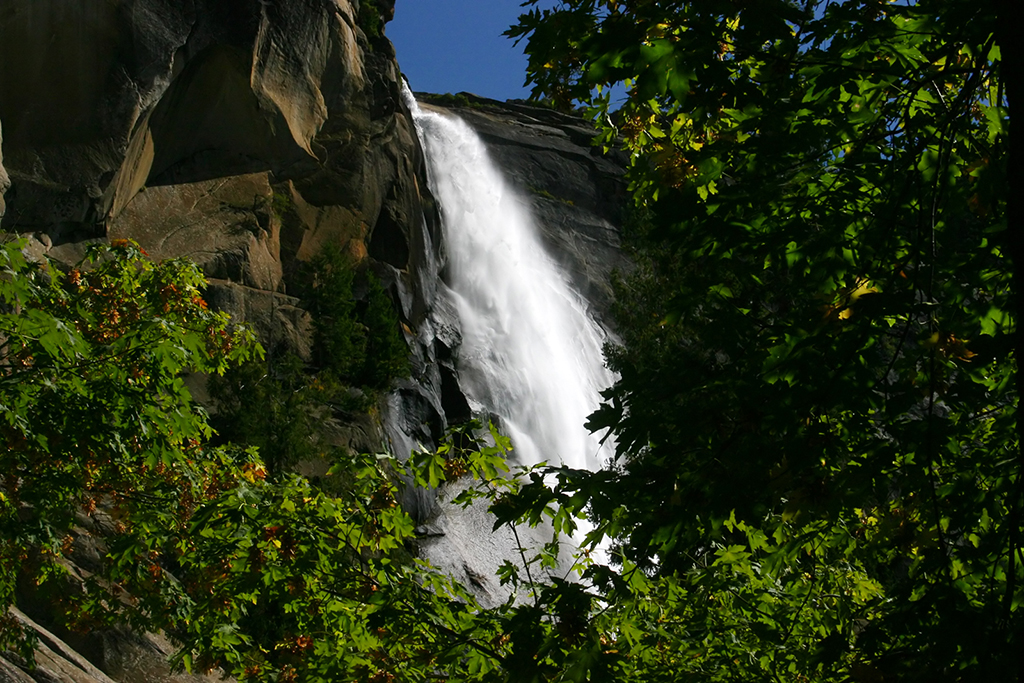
244, 134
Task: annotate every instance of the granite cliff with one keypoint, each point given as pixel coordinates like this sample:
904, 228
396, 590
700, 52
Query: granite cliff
247, 135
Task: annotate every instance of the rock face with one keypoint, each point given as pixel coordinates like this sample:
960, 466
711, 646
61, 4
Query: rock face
247, 135
101, 98
244, 134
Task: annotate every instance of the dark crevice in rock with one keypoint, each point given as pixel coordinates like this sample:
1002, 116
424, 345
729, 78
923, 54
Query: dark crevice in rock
456, 407
388, 242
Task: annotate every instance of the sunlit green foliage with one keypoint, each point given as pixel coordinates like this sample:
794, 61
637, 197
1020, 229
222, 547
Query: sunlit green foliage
268, 579
818, 474
94, 410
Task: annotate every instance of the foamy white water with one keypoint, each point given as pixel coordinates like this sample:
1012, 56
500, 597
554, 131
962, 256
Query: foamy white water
531, 353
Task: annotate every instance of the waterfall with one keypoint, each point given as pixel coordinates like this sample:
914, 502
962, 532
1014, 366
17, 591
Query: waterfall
531, 354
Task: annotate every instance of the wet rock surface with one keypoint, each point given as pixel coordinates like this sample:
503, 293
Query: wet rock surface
451, 540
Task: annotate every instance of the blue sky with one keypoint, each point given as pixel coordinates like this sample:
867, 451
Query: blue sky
456, 45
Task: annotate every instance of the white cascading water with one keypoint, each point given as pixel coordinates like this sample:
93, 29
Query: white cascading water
531, 353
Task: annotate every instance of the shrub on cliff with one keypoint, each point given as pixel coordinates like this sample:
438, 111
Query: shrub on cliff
280, 405
360, 342
93, 410
369, 18
275, 406
387, 355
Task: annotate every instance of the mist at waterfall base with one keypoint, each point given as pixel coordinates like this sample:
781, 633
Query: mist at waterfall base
531, 354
